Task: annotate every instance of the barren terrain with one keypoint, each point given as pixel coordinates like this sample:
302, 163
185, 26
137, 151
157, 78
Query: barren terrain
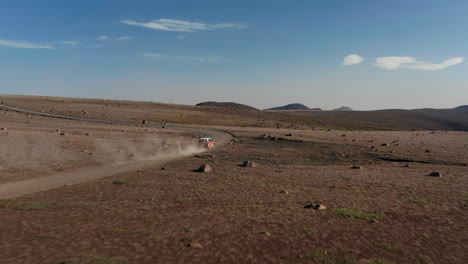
386, 210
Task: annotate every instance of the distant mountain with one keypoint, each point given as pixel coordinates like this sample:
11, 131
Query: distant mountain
227, 105
343, 108
296, 106
462, 107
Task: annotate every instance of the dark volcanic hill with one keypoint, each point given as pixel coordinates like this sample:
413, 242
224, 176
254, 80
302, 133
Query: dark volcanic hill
343, 108
462, 107
295, 106
227, 105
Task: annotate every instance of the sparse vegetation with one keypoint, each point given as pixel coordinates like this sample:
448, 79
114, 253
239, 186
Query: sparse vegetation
379, 261
421, 202
94, 259
354, 214
387, 246
327, 256
32, 206
119, 182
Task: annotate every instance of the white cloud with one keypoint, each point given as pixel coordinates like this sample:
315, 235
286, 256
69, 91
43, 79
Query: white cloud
154, 55
352, 59
394, 63
210, 59
124, 38
102, 38
67, 42
180, 37
166, 24
23, 45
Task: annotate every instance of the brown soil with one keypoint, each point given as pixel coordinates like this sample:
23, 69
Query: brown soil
385, 212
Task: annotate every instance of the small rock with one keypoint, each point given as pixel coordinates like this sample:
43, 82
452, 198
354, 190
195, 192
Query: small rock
284, 191
384, 145
249, 164
63, 134
344, 135
375, 221
4, 129
163, 168
265, 233
88, 151
428, 150
195, 245
205, 168
436, 174
319, 207
354, 167
407, 166
289, 135
144, 122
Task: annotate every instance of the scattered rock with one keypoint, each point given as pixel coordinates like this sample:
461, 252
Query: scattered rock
63, 134
284, 191
249, 164
88, 151
265, 233
356, 167
436, 174
344, 135
428, 150
375, 221
319, 207
195, 245
87, 134
205, 168
407, 166
384, 145
264, 136
163, 168
4, 128
144, 122
288, 135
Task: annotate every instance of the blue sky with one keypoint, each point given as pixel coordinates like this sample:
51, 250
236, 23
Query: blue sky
365, 54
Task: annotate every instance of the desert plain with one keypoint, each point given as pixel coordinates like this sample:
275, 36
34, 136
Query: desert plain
74, 191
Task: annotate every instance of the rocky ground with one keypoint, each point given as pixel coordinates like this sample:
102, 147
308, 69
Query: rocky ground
307, 197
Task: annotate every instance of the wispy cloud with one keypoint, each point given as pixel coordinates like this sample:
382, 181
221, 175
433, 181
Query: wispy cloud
352, 59
23, 45
124, 38
209, 59
102, 38
154, 55
167, 24
69, 42
395, 63
180, 37
93, 46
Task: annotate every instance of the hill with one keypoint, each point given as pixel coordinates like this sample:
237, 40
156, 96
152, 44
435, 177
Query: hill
343, 108
227, 105
290, 107
295, 106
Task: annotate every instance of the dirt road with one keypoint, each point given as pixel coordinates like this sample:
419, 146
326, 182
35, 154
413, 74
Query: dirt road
24, 187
